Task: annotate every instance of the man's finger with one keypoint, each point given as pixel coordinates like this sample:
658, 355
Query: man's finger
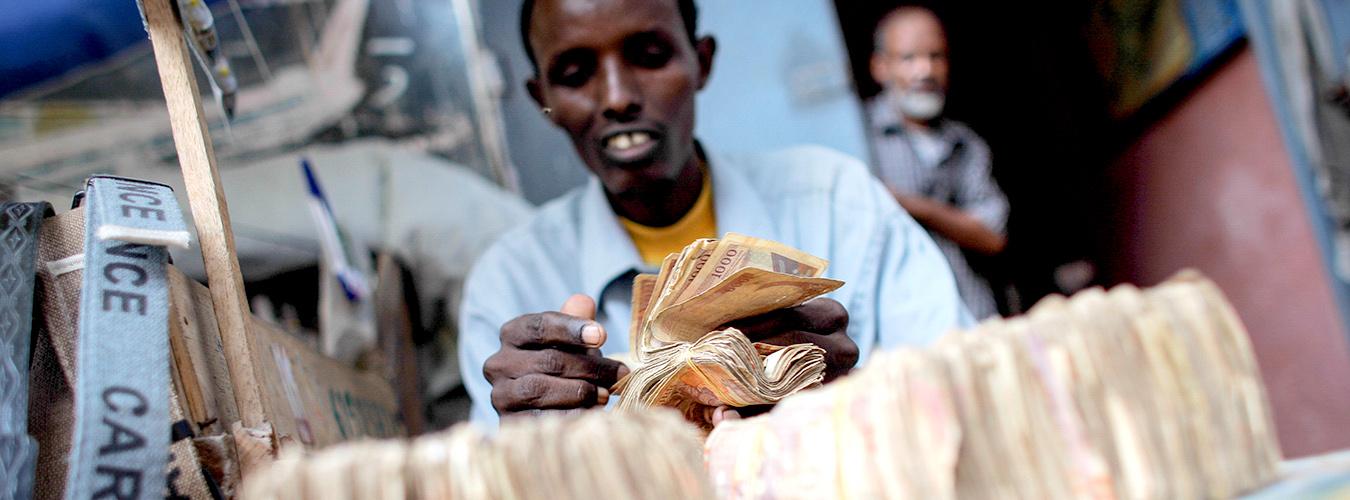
757, 328
537, 391
583, 306
557, 363
552, 329
790, 337
821, 315
723, 414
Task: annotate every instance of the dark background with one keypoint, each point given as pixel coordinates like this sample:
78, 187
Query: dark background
1022, 77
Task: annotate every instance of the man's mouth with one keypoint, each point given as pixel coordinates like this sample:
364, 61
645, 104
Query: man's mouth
630, 146
920, 85
627, 140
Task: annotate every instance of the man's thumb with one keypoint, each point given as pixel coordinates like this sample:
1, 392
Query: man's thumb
580, 306
583, 307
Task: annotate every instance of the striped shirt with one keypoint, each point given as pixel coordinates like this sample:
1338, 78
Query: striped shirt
960, 177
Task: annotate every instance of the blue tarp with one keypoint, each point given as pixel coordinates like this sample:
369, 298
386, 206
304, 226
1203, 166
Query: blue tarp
43, 39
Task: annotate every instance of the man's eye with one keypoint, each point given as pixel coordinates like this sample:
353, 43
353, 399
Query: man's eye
650, 55
570, 75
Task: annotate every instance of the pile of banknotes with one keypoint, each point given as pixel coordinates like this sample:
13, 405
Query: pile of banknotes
583, 455
1122, 394
684, 358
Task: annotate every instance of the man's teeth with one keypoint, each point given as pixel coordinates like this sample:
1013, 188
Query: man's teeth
628, 140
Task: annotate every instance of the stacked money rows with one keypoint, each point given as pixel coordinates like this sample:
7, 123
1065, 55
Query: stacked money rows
646, 454
684, 361
889, 431
1126, 394
1120, 394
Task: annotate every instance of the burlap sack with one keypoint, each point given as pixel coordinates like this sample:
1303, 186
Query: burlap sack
51, 413
51, 402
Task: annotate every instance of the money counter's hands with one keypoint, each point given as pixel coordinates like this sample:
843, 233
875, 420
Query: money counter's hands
821, 321
552, 361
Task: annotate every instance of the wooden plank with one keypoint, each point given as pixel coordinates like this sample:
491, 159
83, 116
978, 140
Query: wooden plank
316, 400
196, 344
310, 399
207, 201
185, 382
394, 325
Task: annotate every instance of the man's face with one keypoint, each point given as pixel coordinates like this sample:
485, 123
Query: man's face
913, 55
620, 77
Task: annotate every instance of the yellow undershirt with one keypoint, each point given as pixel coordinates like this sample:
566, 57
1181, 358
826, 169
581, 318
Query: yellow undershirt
654, 243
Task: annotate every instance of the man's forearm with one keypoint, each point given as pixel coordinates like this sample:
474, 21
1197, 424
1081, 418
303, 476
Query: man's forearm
953, 224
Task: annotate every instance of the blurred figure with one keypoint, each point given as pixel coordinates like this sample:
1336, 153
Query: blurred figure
937, 168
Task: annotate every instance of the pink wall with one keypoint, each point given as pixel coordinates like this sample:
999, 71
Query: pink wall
1210, 186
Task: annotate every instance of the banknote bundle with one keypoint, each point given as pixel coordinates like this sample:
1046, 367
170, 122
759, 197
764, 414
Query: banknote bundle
650, 454
1122, 394
888, 431
683, 358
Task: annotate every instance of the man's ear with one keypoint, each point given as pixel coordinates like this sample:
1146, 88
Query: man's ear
705, 47
878, 69
536, 93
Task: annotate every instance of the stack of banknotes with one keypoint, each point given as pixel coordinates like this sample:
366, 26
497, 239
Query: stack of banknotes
1123, 394
583, 455
1119, 394
684, 358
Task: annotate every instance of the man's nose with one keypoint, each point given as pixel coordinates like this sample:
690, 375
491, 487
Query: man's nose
621, 97
922, 66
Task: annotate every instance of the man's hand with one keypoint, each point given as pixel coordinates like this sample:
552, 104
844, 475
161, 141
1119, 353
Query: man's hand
821, 321
920, 208
953, 223
552, 360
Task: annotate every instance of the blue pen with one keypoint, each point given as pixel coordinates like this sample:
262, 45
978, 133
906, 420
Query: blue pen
352, 283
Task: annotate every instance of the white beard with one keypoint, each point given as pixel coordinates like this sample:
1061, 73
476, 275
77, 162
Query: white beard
918, 105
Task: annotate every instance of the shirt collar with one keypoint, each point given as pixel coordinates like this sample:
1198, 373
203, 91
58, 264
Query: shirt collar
606, 250
608, 253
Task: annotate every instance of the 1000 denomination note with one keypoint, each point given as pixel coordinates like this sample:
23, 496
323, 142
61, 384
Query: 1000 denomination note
737, 251
748, 292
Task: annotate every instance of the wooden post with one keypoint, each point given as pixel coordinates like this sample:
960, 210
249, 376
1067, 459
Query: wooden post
206, 198
394, 325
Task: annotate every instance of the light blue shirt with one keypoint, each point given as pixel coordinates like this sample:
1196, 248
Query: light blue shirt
898, 289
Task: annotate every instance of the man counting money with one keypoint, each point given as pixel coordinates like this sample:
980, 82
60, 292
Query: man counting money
551, 298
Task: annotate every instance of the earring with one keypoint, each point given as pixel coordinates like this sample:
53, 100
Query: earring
548, 111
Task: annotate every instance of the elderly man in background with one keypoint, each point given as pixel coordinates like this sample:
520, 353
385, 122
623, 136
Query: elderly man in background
937, 168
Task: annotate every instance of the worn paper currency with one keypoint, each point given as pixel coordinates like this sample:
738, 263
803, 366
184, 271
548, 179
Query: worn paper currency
686, 360
1123, 394
644, 454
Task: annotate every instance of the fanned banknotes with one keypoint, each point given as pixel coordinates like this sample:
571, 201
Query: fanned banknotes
682, 357
1122, 394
